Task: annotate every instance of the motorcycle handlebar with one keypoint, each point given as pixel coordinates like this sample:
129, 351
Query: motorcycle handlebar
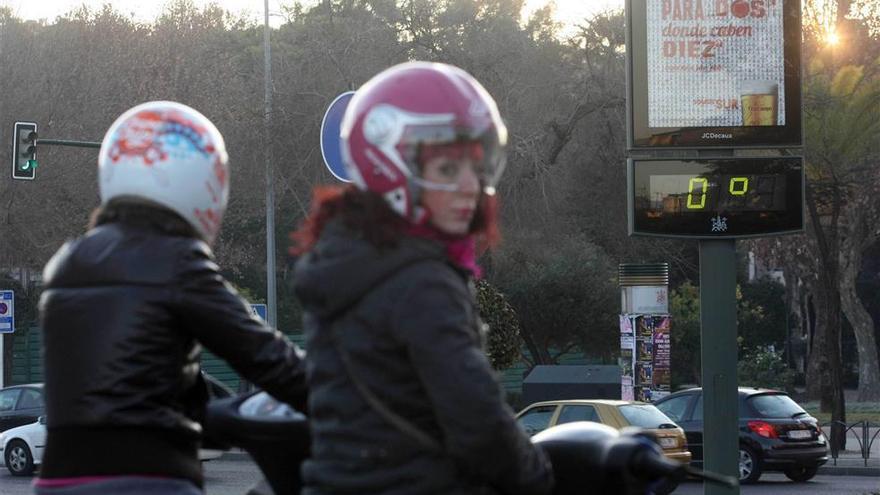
596, 456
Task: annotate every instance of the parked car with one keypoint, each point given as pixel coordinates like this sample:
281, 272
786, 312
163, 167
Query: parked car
21, 447
21, 405
615, 413
775, 433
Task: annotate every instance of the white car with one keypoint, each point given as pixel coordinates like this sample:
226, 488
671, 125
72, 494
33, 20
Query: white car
21, 448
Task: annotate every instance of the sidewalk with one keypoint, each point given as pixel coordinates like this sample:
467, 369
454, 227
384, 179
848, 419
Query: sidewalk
851, 463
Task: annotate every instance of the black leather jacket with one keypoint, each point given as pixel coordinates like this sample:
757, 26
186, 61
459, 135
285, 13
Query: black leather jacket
407, 320
124, 313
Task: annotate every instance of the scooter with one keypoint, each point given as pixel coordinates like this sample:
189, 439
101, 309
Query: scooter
588, 458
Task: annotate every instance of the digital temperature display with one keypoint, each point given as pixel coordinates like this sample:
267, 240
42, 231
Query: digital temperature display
716, 197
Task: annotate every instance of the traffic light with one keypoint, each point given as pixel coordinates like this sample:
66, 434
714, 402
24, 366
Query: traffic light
24, 151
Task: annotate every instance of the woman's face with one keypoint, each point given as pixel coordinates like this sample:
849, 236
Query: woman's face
451, 212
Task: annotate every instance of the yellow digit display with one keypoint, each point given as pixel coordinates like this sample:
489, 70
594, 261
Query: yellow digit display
704, 183
739, 186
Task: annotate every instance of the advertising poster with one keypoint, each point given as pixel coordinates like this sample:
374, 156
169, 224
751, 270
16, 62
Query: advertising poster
644, 356
644, 351
626, 325
626, 361
626, 388
715, 63
662, 378
643, 324
643, 394
644, 374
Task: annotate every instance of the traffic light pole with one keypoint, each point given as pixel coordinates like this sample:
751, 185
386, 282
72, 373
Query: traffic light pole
25, 142
67, 142
719, 361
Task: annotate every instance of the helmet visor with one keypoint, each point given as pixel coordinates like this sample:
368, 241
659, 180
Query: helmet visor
482, 148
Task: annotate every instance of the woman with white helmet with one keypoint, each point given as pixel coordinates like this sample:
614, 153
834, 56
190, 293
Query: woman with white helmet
403, 399
128, 306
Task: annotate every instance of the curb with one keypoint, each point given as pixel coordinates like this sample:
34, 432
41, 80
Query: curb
235, 455
849, 470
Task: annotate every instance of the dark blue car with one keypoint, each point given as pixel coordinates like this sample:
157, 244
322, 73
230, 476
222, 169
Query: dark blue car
775, 433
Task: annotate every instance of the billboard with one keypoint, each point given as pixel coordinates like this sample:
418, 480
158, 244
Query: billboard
714, 73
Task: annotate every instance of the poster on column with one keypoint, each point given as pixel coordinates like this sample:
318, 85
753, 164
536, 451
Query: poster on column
627, 345
643, 325
626, 388
644, 370
662, 379
715, 63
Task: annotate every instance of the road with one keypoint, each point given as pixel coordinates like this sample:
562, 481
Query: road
235, 477
778, 484
221, 478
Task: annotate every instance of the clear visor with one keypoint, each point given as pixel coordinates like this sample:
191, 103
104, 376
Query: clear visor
478, 150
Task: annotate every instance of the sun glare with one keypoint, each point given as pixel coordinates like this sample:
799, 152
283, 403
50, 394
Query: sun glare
832, 38
573, 12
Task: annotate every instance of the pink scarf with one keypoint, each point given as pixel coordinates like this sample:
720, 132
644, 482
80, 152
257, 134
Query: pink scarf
461, 250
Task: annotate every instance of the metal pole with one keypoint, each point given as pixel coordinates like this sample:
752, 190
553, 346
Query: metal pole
3, 361
719, 357
67, 142
271, 312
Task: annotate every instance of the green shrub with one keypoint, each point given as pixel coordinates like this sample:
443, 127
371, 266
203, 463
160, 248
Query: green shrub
503, 346
764, 367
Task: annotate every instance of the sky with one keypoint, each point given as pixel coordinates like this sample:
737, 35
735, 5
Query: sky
146, 10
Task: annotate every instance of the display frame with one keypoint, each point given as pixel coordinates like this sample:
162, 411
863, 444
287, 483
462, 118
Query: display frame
642, 137
794, 214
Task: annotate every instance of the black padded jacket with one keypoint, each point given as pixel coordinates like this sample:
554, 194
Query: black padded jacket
125, 312
406, 318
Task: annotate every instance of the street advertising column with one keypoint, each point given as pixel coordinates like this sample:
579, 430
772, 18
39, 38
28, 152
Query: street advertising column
714, 73
645, 327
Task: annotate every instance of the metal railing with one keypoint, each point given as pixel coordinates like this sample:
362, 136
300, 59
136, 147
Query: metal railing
864, 432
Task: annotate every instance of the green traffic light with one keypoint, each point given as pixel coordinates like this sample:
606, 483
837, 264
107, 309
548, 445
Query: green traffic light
29, 165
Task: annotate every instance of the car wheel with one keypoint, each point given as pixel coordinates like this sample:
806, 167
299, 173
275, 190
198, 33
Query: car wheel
19, 460
801, 473
749, 465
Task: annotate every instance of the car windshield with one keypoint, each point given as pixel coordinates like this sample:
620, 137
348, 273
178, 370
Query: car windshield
645, 416
775, 406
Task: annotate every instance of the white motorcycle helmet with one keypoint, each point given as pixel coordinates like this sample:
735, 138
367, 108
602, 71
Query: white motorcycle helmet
170, 154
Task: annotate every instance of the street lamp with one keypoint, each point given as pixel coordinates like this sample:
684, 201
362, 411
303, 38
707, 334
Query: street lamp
271, 313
